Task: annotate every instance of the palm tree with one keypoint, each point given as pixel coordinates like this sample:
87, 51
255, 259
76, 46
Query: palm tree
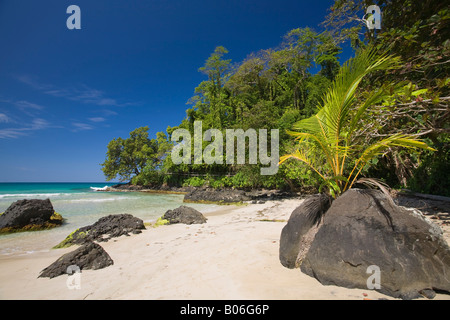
330, 142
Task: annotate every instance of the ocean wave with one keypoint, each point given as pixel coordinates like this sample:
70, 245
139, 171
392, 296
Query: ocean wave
100, 199
31, 195
100, 189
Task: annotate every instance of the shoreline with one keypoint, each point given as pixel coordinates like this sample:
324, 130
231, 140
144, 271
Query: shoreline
232, 256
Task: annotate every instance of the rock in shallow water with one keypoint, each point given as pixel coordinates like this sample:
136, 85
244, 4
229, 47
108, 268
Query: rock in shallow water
29, 214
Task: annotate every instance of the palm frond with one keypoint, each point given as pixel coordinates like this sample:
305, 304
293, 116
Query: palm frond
300, 155
396, 140
377, 148
341, 96
377, 183
331, 134
314, 124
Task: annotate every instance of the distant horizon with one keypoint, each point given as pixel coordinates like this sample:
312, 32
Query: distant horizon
117, 182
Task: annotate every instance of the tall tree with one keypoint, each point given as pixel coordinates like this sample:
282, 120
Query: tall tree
127, 157
211, 97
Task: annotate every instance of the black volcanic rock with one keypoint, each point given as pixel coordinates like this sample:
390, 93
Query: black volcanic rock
363, 229
29, 214
216, 195
228, 195
299, 230
104, 229
184, 214
88, 256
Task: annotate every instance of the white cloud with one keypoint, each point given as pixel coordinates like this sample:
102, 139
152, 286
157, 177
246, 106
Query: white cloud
79, 126
97, 119
28, 105
108, 112
4, 118
82, 93
39, 123
33, 82
92, 96
13, 133
107, 102
58, 93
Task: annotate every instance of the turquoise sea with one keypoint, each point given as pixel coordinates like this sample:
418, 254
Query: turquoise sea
80, 205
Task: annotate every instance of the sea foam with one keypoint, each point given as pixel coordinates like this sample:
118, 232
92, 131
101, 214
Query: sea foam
100, 189
32, 195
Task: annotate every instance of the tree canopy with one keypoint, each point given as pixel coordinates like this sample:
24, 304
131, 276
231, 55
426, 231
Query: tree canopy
126, 158
276, 88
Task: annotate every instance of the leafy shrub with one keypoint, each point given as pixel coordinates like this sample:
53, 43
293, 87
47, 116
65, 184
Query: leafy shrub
194, 182
432, 174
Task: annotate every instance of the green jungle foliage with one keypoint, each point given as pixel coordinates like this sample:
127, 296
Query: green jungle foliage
287, 87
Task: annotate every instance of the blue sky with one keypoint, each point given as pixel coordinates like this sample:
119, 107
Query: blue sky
64, 94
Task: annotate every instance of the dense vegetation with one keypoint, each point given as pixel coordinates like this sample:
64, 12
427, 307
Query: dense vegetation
334, 142
283, 87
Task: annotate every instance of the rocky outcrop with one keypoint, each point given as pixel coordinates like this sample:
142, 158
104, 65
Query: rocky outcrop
104, 229
226, 196
207, 194
269, 195
26, 215
164, 188
125, 187
184, 214
88, 256
364, 230
210, 195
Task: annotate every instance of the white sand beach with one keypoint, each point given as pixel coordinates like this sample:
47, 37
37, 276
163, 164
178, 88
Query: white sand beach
232, 256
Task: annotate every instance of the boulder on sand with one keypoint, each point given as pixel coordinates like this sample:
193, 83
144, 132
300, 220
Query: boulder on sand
299, 232
114, 225
184, 214
363, 231
29, 214
88, 256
